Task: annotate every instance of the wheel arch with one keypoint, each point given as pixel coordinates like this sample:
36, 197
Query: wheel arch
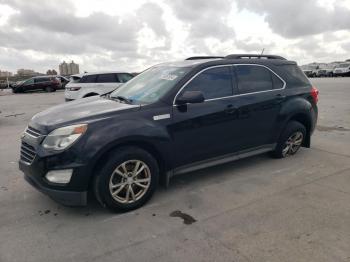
148, 147
90, 94
306, 121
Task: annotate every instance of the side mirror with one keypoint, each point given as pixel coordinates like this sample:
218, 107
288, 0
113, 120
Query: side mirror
190, 97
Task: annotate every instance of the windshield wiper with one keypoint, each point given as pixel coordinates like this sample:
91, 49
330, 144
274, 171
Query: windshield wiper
122, 99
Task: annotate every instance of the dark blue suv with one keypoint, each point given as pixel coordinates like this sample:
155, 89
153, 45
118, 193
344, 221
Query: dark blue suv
171, 119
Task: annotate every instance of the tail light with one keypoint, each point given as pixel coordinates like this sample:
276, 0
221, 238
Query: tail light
314, 93
75, 88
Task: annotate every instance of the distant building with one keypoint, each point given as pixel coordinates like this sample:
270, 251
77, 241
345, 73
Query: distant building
26, 72
51, 72
69, 68
5, 74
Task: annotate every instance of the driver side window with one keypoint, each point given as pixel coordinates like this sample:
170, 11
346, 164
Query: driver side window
213, 83
29, 81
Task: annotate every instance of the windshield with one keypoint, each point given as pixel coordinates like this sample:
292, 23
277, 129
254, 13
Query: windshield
149, 86
344, 65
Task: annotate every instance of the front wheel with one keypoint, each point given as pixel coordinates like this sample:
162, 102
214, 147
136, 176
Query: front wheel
127, 180
290, 140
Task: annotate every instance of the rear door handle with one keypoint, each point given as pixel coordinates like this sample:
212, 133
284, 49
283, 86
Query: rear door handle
280, 98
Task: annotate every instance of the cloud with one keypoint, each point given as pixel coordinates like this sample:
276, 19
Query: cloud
205, 18
151, 14
118, 34
299, 18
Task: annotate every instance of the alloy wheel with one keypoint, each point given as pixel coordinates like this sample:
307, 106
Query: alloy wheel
293, 144
130, 181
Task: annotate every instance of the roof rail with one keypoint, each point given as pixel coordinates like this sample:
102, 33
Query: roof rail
203, 57
253, 56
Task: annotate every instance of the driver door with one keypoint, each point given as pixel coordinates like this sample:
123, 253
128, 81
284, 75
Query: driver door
202, 130
29, 85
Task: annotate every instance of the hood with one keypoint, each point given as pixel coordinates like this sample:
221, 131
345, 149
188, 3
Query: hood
82, 111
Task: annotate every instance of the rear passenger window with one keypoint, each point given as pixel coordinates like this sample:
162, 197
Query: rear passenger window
123, 78
106, 78
213, 83
251, 78
88, 79
40, 80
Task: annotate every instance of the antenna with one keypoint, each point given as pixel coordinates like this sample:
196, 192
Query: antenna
262, 52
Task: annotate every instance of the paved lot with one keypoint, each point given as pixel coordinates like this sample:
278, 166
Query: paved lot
257, 209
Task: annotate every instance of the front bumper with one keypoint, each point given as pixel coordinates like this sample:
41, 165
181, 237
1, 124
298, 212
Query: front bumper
67, 198
36, 166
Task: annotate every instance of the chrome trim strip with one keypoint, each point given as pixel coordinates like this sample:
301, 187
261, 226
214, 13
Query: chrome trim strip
230, 65
23, 146
32, 131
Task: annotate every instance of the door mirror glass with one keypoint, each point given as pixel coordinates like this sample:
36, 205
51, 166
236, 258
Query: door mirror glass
190, 97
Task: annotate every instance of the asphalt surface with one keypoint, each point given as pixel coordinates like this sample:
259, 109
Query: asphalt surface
256, 209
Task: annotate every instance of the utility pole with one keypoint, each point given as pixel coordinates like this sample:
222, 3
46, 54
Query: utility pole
262, 52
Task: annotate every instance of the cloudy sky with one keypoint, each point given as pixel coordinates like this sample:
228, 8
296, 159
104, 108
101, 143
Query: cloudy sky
131, 35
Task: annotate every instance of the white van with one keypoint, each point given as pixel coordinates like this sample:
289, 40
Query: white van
342, 70
92, 84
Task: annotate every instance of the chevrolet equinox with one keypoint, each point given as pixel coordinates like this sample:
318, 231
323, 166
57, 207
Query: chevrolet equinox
172, 118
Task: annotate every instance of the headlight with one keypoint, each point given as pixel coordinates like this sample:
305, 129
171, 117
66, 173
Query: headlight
63, 137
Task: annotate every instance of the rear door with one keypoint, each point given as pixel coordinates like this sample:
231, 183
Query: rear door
88, 85
259, 99
42, 82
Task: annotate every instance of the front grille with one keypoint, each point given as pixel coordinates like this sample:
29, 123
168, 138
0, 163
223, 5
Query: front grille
27, 153
33, 132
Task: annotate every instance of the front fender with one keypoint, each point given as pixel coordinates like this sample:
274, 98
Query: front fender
127, 131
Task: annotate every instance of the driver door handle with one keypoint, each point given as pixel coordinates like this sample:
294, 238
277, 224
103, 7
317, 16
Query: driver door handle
230, 109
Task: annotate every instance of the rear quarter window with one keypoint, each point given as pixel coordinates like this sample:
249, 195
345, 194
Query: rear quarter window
293, 75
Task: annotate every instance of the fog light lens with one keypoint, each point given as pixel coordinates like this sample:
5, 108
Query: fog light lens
59, 176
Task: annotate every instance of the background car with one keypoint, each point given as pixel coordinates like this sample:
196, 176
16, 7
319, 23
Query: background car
324, 72
64, 81
309, 72
342, 70
91, 84
46, 83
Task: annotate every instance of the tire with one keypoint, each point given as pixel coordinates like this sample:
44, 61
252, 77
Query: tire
121, 190
290, 140
49, 89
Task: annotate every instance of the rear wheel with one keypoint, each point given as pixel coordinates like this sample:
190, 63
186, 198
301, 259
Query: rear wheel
291, 140
127, 180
